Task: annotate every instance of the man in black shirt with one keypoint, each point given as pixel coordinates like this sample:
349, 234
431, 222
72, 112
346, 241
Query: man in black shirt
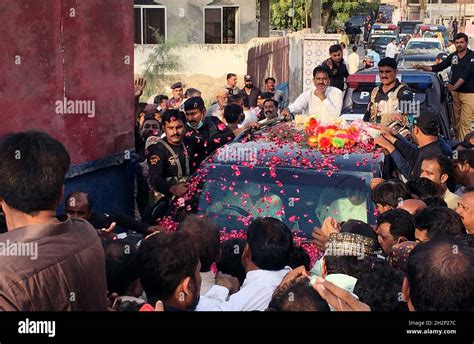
250, 91
209, 128
425, 132
462, 84
337, 68
174, 158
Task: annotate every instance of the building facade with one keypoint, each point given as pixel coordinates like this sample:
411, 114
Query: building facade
195, 21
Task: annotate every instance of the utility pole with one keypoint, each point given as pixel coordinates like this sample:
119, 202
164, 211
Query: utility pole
316, 17
264, 24
422, 10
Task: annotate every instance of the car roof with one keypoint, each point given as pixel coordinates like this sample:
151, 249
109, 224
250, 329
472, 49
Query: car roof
287, 150
381, 35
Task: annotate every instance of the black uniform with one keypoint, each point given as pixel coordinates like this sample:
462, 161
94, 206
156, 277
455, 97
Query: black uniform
404, 96
252, 97
171, 164
213, 131
460, 68
337, 74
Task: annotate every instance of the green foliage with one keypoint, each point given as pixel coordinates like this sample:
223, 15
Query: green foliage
334, 12
280, 17
160, 63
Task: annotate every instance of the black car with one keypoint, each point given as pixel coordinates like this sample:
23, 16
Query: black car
352, 25
427, 88
273, 173
407, 27
379, 43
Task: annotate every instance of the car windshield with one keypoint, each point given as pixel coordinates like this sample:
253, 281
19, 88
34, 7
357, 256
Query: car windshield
300, 198
407, 63
357, 21
424, 45
407, 28
381, 39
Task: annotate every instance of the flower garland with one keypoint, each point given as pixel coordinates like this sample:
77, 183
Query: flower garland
338, 137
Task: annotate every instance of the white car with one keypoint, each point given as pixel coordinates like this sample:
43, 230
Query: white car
423, 44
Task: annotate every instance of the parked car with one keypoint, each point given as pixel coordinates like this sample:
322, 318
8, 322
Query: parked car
427, 88
431, 31
407, 27
407, 59
378, 43
354, 23
385, 30
269, 174
429, 45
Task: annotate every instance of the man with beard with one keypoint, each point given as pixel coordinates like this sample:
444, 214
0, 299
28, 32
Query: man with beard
337, 67
322, 99
270, 109
250, 91
150, 127
388, 102
462, 83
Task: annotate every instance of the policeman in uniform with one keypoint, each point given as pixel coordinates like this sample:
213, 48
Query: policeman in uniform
392, 101
172, 160
210, 128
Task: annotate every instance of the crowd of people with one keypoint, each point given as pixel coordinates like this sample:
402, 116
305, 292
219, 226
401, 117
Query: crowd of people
418, 256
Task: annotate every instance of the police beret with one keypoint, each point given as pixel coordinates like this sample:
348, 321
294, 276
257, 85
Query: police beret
194, 103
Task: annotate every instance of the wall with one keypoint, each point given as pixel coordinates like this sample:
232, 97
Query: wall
53, 49
204, 67
268, 57
189, 27
78, 50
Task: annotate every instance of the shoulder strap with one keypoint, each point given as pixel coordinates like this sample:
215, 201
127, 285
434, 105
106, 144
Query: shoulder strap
373, 95
395, 92
176, 157
211, 125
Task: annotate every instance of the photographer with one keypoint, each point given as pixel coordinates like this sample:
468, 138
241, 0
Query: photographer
407, 156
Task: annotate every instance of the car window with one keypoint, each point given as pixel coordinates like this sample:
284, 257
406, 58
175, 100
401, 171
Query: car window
407, 63
424, 45
381, 39
300, 198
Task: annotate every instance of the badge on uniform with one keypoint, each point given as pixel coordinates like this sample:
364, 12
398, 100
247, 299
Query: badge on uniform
406, 92
154, 159
455, 60
172, 160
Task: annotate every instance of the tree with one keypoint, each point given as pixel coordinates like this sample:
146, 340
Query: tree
334, 13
